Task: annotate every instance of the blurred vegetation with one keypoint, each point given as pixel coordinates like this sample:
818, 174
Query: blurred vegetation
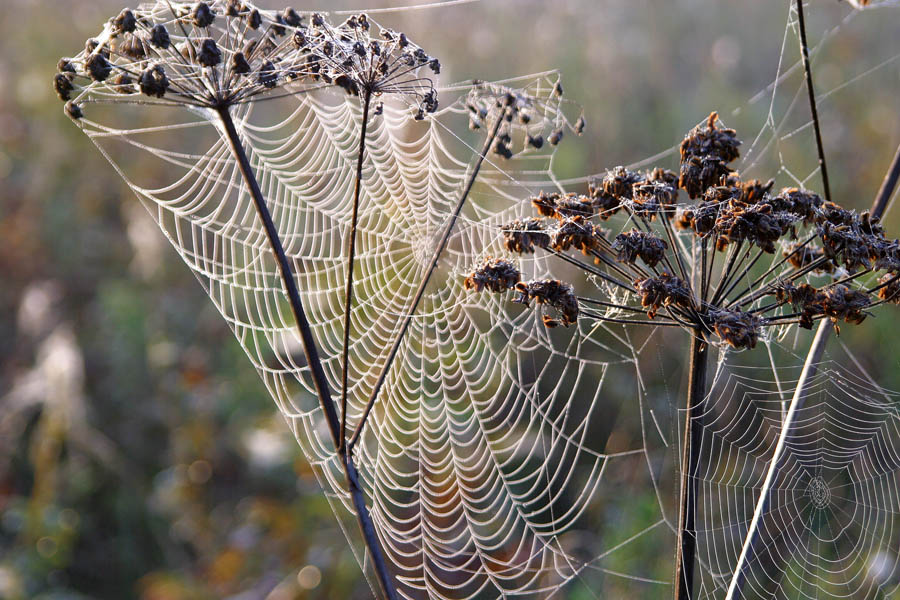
139, 453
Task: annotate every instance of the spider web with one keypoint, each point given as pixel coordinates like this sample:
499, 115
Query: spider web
502, 457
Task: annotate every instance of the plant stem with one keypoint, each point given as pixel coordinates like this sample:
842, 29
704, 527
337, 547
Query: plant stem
312, 356
306, 336
807, 70
420, 291
351, 252
686, 546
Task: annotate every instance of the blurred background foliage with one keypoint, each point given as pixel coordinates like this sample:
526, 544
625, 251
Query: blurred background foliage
140, 456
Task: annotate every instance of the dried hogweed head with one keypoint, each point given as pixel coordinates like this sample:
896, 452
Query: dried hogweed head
523, 236
526, 117
705, 153
218, 53
674, 278
736, 328
495, 274
551, 292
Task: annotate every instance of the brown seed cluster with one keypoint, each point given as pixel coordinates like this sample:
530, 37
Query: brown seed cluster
221, 52
732, 214
561, 206
578, 233
838, 302
495, 274
639, 244
705, 153
736, 328
551, 292
664, 290
523, 236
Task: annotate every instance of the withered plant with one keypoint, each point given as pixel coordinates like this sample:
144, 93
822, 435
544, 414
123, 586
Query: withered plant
694, 264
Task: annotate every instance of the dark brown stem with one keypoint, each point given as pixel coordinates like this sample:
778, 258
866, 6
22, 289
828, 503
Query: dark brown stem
312, 355
686, 546
807, 70
351, 253
420, 291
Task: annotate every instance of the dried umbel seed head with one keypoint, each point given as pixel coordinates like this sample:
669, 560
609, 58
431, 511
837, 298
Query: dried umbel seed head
203, 15
614, 188
525, 235
573, 205
215, 66
736, 328
838, 302
495, 274
209, 55
153, 81
551, 292
709, 140
159, 37
639, 244
98, 67
663, 175
841, 303
653, 197
664, 290
757, 223
73, 110
699, 173
890, 288
125, 22
755, 190
62, 85
578, 233
845, 245
803, 203
800, 256
701, 219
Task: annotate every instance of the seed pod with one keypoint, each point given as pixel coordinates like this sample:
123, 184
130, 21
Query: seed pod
62, 85
202, 15
209, 55
159, 36
153, 81
73, 110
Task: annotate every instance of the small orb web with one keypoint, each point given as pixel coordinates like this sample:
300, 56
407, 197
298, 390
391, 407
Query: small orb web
831, 523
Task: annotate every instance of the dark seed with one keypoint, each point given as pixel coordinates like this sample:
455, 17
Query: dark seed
209, 55
63, 85
159, 36
203, 15
73, 110
239, 64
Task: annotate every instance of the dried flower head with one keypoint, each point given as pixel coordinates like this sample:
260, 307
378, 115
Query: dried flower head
664, 290
525, 235
495, 274
736, 328
639, 244
731, 298
222, 52
528, 116
579, 233
551, 292
615, 187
